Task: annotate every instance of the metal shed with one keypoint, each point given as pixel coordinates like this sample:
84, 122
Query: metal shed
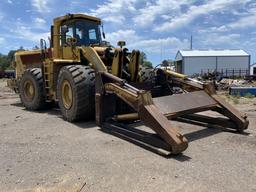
253, 69
228, 62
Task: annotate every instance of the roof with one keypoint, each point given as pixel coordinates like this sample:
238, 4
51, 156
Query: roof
76, 16
212, 52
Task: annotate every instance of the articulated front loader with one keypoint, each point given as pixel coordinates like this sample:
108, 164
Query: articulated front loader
92, 80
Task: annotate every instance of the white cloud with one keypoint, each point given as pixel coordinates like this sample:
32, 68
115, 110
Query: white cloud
216, 40
244, 22
197, 10
114, 10
222, 28
39, 20
129, 36
2, 40
1, 16
39, 23
217, 37
169, 44
25, 32
208, 30
9, 1
40, 5
134, 41
164, 8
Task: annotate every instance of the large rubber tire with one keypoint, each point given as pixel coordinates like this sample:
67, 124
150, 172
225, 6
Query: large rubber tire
80, 102
31, 89
146, 74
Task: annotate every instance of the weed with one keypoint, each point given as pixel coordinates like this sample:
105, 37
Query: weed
236, 100
249, 96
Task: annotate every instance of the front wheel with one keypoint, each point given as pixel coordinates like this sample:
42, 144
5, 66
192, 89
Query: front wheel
76, 92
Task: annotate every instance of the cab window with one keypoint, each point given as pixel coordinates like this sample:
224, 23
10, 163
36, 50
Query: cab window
70, 33
85, 32
92, 34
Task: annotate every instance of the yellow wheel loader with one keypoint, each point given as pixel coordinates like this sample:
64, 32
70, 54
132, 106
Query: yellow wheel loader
92, 80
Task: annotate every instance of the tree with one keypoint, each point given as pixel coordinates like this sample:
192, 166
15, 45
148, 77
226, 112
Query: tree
143, 60
148, 64
11, 55
35, 48
6, 60
143, 57
21, 49
165, 63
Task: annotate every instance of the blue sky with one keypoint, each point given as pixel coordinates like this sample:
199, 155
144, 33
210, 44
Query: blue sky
159, 28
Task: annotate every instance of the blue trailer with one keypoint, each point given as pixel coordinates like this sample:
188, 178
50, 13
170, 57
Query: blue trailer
242, 91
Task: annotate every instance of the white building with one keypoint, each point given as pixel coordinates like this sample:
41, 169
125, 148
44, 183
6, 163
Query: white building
253, 69
193, 62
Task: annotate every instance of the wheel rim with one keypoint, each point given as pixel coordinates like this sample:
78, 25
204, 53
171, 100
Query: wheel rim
67, 96
29, 90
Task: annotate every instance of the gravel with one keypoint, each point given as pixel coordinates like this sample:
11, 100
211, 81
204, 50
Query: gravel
39, 151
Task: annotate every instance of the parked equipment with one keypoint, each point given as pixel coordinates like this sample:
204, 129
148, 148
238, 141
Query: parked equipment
91, 80
6, 73
9, 73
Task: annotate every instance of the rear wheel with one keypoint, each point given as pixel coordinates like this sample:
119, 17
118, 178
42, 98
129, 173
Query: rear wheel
31, 88
76, 92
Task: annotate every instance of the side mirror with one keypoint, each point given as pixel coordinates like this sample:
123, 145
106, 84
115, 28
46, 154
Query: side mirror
103, 32
64, 29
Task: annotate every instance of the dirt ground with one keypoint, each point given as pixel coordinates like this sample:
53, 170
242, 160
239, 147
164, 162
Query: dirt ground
42, 152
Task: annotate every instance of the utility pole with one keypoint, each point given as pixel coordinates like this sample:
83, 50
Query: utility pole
191, 42
161, 50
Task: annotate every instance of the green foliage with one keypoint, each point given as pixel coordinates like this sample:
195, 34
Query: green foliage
143, 57
237, 96
236, 100
249, 96
165, 63
148, 64
6, 60
168, 62
11, 55
143, 60
227, 95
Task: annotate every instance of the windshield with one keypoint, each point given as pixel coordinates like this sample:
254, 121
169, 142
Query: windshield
85, 32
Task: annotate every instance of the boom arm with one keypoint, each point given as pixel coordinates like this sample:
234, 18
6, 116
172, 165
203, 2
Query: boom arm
92, 56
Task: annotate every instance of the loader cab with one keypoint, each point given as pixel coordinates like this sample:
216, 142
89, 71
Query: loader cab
80, 32
70, 32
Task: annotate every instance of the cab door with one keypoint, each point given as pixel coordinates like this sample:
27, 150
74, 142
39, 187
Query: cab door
68, 42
